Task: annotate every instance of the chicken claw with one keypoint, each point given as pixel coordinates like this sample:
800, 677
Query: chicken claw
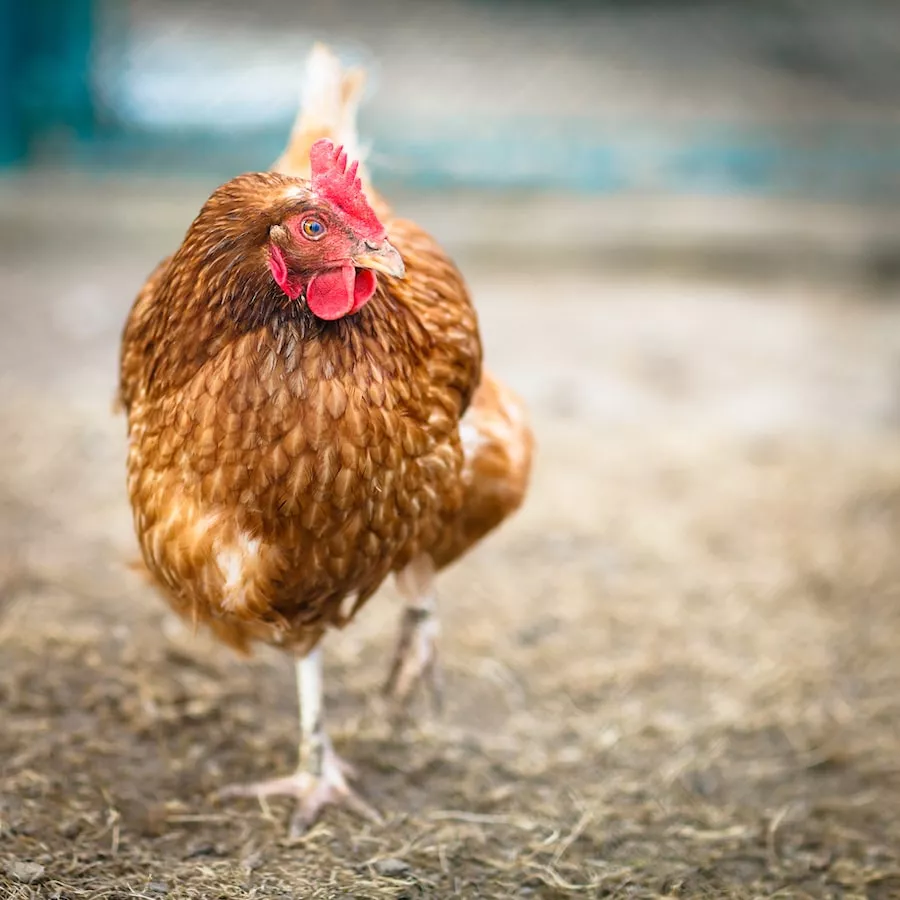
312, 792
321, 777
416, 659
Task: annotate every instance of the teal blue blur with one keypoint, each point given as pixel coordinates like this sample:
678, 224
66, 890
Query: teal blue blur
45, 57
49, 111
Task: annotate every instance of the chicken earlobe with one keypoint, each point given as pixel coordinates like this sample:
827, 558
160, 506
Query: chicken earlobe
322, 776
289, 284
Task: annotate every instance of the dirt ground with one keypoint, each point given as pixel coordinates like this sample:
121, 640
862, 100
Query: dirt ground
676, 673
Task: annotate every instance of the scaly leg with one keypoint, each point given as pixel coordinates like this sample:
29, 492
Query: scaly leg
321, 776
416, 658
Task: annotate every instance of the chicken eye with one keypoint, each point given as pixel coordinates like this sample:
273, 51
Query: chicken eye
312, 228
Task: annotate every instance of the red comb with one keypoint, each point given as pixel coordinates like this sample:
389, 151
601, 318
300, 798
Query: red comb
334, 181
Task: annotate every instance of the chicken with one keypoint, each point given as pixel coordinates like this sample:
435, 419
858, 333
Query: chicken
307, 414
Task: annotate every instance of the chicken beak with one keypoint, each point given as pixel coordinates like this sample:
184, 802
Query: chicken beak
384, 259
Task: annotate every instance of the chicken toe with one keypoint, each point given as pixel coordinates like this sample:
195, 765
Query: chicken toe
313, 792
322, 776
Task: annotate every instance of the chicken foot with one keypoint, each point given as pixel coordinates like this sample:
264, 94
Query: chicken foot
415, 657
322, 776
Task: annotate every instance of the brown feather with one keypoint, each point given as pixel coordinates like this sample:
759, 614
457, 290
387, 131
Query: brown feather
498, 448
278, 463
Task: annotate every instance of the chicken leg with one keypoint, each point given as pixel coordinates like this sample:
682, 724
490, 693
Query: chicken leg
322, 776
416, 657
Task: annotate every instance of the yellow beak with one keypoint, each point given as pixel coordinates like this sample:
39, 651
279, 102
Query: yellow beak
384, 259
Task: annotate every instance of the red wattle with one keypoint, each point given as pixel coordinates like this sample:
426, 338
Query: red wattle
363, 288
338, 292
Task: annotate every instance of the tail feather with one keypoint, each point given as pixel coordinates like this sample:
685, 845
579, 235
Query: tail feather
330, 100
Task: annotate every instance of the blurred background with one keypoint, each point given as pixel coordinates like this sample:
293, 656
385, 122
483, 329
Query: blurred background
640, 100
681, 224
604, 97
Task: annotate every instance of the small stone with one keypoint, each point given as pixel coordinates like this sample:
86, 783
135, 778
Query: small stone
157, 887
392, 867
25, 872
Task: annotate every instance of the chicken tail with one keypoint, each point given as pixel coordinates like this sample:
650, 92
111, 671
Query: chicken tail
329, 101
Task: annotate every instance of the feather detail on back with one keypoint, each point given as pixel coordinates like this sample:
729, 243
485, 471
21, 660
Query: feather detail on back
329, 102
497, 445
330, 98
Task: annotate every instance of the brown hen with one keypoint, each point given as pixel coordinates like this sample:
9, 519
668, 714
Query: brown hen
307, 413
